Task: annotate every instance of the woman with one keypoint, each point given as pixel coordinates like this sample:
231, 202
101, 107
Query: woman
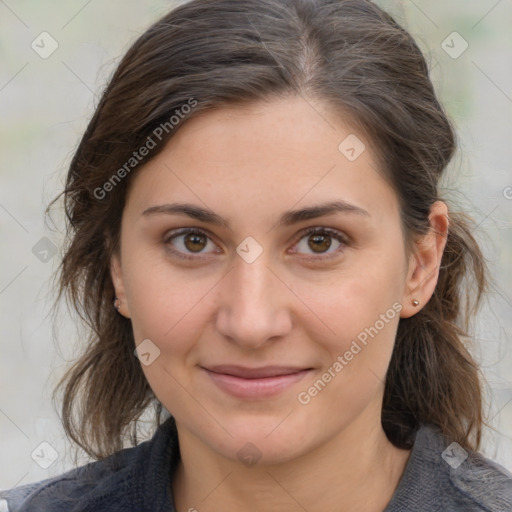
254, 211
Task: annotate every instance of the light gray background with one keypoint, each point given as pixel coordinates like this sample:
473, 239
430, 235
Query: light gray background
45, 105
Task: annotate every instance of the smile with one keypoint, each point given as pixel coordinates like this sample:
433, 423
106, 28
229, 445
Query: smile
255, 383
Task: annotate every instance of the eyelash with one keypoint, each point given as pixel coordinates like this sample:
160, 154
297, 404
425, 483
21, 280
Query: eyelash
340, 237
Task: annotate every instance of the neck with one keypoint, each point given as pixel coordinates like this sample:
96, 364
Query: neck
359, 469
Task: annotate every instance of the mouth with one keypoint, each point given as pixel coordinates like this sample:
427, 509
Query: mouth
255, 383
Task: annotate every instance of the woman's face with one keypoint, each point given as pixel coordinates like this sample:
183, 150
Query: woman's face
251, 328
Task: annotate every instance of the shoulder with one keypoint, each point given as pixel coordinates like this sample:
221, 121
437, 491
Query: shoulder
442, 476
482, 481
124, 481
65, 491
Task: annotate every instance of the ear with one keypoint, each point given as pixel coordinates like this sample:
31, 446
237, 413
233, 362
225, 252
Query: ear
425, 261
118, 282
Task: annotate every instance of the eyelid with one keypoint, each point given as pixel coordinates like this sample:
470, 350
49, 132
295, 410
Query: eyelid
340, 236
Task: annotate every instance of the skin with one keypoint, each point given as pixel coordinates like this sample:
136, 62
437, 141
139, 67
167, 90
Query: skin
249, 165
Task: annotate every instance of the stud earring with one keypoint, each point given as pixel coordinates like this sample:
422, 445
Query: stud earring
117, 305
415, 303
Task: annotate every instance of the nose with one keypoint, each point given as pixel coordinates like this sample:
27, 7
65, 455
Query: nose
254, 305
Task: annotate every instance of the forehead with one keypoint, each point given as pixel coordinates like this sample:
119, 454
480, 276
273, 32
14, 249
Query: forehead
265, 155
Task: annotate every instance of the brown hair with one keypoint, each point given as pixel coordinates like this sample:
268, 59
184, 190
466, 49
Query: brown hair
350, 55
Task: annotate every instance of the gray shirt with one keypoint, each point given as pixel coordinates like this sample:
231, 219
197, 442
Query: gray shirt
442, 476
439, 476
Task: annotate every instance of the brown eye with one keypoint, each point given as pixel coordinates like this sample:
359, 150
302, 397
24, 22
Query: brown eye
320, 240
187, 242
195, 242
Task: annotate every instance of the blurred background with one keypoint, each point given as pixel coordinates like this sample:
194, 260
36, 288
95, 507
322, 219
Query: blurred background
55, 61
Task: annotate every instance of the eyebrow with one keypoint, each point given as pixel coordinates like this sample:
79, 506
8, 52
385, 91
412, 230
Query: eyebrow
287, 219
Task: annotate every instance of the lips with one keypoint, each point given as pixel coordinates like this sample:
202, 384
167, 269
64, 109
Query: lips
255, 383
255, 373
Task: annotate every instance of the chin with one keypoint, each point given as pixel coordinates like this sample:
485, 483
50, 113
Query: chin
262, 440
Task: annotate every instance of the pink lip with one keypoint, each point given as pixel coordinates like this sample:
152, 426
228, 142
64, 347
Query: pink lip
255, 382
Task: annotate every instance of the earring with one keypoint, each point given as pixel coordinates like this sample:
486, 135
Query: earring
415, 303
116, 305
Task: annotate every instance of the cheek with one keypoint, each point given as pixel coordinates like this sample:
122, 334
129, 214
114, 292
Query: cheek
356, 349
159, 296
348, 301
357, 315
166, 308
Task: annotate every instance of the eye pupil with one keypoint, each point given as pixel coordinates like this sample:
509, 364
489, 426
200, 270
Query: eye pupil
320, 242
195, 239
